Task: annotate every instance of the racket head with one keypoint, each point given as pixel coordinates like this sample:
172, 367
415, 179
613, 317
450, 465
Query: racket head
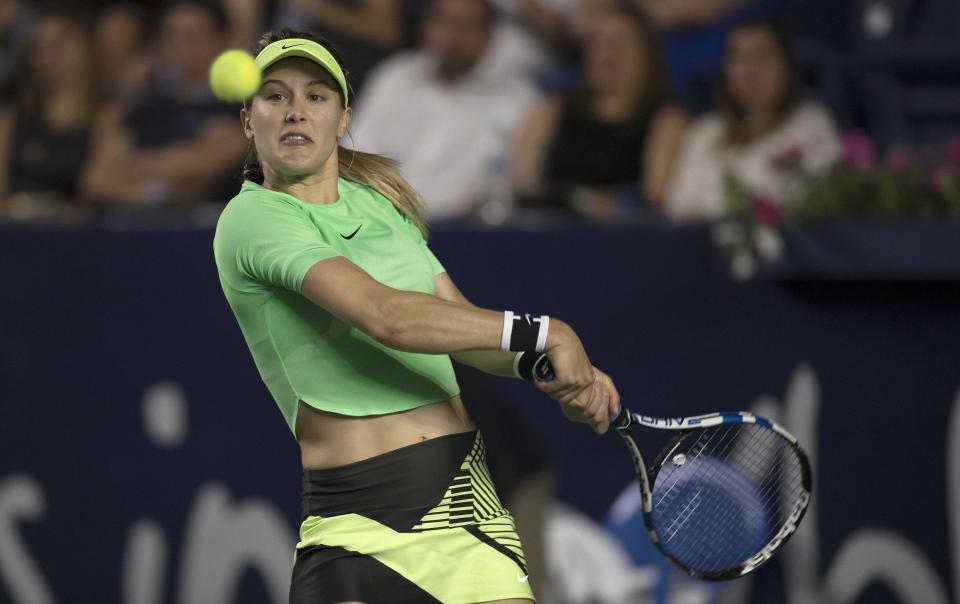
723, 497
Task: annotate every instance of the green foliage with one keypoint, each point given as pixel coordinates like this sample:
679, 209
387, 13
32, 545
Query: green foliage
844, 191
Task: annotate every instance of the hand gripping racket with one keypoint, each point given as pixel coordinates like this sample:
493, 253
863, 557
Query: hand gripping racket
724, 494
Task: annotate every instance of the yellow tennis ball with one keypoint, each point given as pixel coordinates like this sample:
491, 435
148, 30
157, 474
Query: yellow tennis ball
234, 76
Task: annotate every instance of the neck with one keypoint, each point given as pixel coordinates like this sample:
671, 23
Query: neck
319, 187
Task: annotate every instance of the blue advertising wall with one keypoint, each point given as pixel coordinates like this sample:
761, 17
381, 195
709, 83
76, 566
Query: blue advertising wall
142, 460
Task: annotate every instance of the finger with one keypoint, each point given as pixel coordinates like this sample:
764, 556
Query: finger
602, 418
614, 402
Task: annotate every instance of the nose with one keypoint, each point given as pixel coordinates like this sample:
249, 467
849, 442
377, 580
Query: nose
294, 115
295, 112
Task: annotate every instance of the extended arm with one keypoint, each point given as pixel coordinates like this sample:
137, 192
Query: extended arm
417, 322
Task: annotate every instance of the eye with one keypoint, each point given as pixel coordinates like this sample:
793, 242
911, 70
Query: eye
275, 97
317, 98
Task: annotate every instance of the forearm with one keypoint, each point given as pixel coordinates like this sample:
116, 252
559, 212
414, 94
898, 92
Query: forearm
416, 322
496, 362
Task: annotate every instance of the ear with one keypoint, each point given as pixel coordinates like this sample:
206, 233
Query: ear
345, 118
245, 122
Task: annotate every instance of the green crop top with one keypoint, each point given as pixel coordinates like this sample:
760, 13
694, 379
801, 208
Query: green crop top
264, 245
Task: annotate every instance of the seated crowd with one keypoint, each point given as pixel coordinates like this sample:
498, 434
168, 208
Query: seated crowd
588, 107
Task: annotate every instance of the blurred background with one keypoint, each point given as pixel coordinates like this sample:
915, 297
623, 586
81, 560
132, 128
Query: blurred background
738, 204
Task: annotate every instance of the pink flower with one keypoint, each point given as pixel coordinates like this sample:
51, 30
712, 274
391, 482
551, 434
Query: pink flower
953, 150
858, 150
767, 210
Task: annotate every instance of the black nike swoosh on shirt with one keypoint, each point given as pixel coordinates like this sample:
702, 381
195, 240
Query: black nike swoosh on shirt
286, 46
350, 236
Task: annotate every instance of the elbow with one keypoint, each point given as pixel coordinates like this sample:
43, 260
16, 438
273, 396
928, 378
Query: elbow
382, 332
389, 324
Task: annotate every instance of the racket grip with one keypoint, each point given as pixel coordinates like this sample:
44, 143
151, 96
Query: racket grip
542, 370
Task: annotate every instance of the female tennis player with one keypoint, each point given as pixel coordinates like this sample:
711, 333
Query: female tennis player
352, 323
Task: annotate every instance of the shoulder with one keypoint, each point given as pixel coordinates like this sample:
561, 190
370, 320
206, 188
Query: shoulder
359, 192
254, 203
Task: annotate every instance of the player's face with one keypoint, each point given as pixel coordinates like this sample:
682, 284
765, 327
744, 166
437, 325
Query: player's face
296, 118
755, 70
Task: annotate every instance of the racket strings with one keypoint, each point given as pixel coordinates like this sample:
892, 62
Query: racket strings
723, 492
767, 491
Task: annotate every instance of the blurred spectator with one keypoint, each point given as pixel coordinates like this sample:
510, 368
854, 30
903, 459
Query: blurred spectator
694, 32
444, 111
246, 19
364, 31
16, 22
123, 59
619, 133
529, 35
176, 143
761, 132
44, 136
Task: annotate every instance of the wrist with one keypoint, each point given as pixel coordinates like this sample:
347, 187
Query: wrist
559, 333
523, 331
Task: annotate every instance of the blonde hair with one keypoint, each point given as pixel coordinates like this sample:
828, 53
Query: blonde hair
382, 175
375, 171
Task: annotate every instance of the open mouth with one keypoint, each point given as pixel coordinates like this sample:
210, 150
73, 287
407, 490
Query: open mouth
295, 138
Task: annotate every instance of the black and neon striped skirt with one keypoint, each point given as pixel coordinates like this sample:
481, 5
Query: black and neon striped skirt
419, 524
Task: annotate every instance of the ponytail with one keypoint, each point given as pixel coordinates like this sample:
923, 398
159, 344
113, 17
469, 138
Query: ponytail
382, 175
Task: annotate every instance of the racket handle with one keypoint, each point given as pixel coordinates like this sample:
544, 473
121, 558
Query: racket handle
543, 372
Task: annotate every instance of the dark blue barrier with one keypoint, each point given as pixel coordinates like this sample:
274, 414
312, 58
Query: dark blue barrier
141, 459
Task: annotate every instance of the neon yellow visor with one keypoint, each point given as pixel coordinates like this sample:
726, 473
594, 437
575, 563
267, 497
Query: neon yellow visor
308, 49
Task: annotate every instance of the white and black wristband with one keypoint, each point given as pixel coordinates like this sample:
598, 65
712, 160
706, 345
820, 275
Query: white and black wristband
523, 331
532, 365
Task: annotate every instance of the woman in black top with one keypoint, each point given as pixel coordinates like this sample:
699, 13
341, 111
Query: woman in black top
44, 138
619, 130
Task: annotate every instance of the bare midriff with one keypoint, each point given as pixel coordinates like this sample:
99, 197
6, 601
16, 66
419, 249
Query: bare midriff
328, 440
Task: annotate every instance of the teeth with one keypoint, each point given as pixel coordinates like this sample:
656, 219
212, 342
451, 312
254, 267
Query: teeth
294, 137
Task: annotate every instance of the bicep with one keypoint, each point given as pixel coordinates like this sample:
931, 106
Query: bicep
347, 292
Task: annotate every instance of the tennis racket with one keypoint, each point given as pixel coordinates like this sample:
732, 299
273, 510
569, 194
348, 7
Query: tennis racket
726, 492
